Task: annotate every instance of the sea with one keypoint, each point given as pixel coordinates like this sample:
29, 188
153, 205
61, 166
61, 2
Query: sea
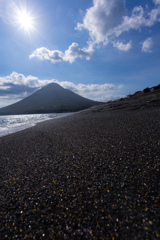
14, 123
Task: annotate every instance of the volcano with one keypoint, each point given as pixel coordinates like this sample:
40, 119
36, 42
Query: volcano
50, 99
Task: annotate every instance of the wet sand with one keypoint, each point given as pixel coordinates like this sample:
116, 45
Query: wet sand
91, 175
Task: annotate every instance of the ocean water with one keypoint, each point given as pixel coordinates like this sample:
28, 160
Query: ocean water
14, 123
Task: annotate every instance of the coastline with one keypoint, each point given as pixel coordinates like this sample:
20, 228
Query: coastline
14, 123
89, 175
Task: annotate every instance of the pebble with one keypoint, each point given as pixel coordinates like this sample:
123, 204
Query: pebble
91, 175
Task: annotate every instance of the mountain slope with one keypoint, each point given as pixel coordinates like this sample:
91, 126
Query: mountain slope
49, 99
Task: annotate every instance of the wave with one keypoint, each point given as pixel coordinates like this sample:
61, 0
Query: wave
14, 123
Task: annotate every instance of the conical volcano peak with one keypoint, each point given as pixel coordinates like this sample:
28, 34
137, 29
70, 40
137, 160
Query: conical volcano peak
52, 85
49, 99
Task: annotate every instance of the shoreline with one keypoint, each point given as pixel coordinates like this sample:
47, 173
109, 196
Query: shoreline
23, 127
90, 175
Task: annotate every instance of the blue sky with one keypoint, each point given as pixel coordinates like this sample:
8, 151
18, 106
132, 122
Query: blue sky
100, 49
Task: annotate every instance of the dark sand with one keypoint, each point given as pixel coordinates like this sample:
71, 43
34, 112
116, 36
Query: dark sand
91, 175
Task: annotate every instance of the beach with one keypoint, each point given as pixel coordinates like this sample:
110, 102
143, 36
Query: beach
90, 175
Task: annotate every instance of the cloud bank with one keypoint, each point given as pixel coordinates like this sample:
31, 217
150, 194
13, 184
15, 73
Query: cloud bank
16, 86
19, 79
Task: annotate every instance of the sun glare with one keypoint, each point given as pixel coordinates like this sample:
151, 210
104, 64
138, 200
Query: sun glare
25, 20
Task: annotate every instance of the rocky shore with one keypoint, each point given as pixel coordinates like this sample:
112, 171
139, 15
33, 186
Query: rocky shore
90, 175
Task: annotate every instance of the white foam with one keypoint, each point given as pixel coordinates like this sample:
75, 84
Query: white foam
15, 123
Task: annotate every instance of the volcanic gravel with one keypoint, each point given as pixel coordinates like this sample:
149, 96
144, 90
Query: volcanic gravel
90, 175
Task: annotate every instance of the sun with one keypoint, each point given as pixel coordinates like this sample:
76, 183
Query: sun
24, 19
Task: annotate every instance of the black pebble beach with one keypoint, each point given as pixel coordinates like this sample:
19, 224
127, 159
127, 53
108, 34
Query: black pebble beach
91, 175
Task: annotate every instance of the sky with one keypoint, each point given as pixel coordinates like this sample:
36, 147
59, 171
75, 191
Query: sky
100, 49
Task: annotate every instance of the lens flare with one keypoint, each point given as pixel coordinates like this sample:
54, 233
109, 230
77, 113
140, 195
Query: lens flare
24, 19
17, 15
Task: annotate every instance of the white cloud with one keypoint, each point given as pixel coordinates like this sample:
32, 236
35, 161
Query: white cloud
154, 16
123, 47
156, 2
45, 54
147, 45
4, 87
102, 17
20, 79
11, 98
106, 20
74, 52
138, 19
69, 55
34, 82
91, 91
97, 92
135, 21
88, 89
